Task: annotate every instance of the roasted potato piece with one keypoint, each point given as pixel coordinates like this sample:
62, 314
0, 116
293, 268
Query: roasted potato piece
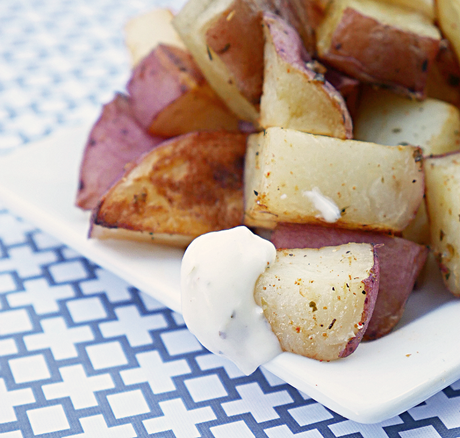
319, 301
234, 68
171, 97
443, 207
379, 43
188, 186
292, 176
115, 140
294, 95
400, 262
226, 40
388, 119
145, 32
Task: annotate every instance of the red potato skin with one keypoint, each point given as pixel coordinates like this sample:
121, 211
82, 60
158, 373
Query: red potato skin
239, 43
400, 262
371, 287
159, 79
381, 55
115, 140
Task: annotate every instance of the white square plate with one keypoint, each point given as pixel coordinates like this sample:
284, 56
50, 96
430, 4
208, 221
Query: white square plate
380, 380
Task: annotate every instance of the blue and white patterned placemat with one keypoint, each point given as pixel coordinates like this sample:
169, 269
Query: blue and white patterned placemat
84, 354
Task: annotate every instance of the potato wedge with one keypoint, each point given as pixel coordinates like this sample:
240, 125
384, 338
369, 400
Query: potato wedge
188, 186
171, 97
294, 95
400, 262
115, 140
388, 119
443, 207
145, 32
379, 43
292, 176
319, 301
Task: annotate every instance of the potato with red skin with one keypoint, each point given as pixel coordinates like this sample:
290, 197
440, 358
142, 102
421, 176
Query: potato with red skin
190, 185
229, 38
379, 43
226, 39
171, 97
319, 301
115, 140
294, 95
396, 255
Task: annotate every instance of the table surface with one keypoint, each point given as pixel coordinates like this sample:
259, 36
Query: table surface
83, 353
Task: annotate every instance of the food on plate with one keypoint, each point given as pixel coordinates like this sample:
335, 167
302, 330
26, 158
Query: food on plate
385, 118
294, 94
292, 176
379, 43
225, 37
218, 273
319, 301
449, 19
190, 185
115, 140
443, 206
171, 97
400, 263
146, 31
256, 99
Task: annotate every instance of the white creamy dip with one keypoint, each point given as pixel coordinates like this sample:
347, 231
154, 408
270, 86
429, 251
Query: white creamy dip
327, 207
218, 275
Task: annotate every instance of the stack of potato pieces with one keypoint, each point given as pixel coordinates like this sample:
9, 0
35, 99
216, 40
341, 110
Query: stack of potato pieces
328, 128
